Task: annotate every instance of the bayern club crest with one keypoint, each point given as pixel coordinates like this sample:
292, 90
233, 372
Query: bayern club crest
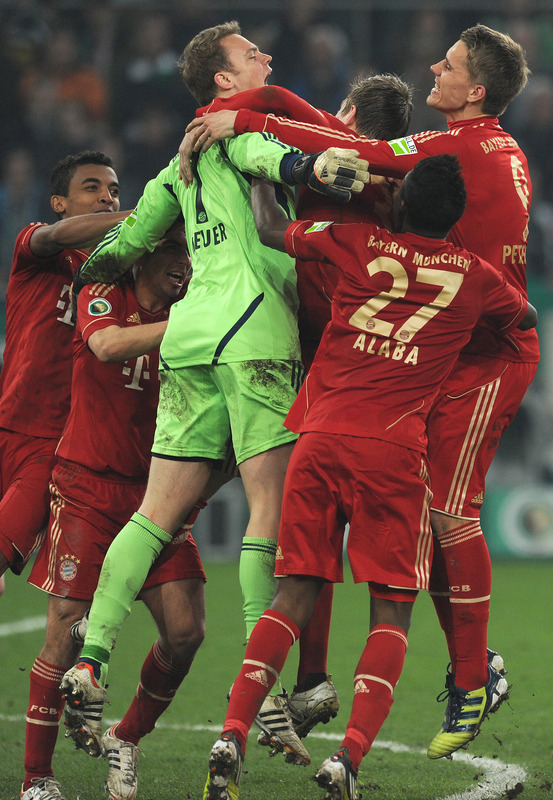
68, 568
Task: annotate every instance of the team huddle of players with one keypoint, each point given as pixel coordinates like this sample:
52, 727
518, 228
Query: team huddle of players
121, 402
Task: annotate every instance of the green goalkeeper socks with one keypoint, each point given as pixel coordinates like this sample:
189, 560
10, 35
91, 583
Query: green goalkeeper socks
125, 568
257, 578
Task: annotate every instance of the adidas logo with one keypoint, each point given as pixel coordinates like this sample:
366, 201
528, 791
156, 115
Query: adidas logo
134, 318
279, 553
360, 688
260, 676
478, 499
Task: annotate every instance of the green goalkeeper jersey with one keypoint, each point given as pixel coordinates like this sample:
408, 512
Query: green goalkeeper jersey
241, 302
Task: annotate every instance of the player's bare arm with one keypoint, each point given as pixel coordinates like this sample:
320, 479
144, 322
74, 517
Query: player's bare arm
81, 232
200, 134
114, 344
270, 220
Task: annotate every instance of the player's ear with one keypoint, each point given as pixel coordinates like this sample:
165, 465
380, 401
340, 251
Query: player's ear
223, 80
477, 94
350, 116
57, 202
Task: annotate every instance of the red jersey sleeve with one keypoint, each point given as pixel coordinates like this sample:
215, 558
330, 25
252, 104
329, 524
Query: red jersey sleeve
273, 100
326, 245
100, 306
394, 158
502, 304
306, 136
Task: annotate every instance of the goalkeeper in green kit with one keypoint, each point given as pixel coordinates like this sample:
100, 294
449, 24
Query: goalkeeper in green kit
230, 363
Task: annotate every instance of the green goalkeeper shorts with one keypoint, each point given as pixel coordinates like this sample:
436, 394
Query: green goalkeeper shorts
201, 407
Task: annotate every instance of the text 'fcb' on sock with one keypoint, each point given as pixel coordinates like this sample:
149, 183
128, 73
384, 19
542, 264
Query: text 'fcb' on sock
42, 721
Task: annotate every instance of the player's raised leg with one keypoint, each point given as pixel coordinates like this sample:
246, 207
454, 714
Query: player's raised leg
173, 489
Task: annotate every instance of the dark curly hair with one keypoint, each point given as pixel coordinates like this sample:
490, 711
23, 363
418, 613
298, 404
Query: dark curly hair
434, 193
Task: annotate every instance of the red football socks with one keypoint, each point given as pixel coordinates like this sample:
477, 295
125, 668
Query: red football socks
376, 676
470, 580
160, 678
43, 716
266, 653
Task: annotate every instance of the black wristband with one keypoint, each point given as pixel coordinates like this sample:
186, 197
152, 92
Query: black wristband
286, 166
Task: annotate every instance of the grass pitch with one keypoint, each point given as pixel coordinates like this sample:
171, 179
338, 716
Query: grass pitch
511, 757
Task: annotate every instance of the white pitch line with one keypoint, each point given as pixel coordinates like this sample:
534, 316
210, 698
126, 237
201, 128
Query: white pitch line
23, 626
497, 778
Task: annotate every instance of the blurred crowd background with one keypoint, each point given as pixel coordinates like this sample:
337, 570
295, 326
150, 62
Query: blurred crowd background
102, 75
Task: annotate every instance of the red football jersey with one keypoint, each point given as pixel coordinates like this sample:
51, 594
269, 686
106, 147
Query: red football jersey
402, 311
499, 192
36, 377
111, 423
316, 280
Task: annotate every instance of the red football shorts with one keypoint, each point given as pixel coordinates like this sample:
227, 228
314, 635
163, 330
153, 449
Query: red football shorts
380, 488
87, 512
475, 406
26, 464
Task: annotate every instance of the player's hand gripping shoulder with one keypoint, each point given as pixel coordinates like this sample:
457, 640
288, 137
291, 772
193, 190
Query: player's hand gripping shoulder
336, 173
201, 134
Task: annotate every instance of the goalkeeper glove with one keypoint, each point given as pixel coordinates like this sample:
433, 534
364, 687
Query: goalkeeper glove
336, 173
